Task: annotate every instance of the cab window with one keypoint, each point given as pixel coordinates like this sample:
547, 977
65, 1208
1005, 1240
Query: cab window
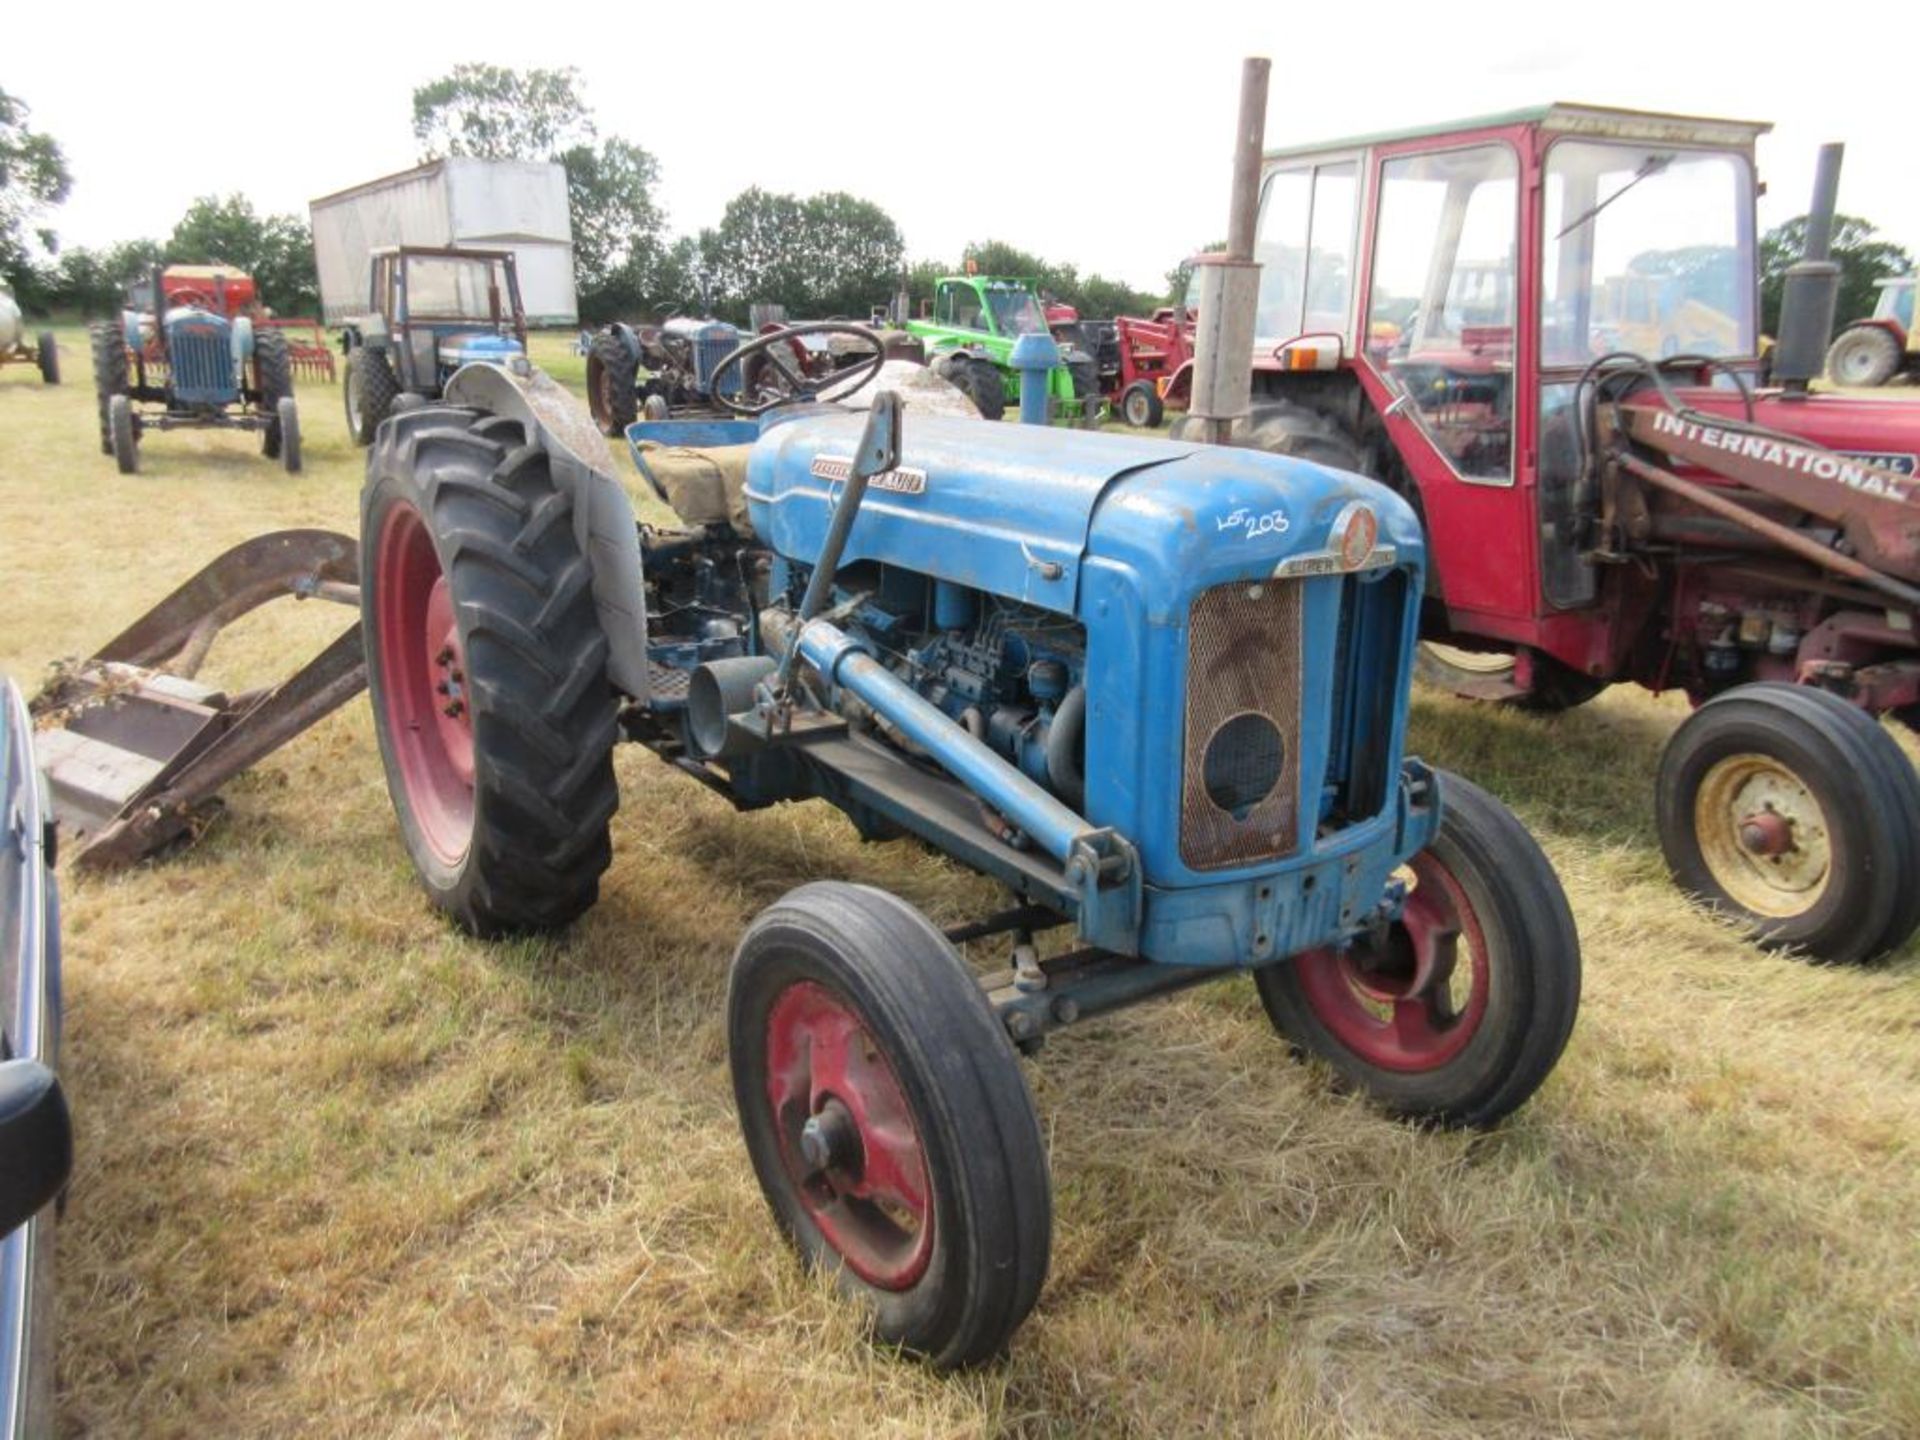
1305, 250
1440, 315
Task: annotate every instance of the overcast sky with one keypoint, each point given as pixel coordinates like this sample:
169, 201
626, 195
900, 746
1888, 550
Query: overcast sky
1094, 134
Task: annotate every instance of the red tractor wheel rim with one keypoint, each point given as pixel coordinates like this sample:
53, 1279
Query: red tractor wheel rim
847, 1137
1413, 1001
427, 713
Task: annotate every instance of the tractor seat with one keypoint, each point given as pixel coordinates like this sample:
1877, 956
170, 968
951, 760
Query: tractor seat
705, 486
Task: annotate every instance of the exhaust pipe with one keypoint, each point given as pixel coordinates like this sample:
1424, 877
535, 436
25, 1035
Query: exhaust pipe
1812, 290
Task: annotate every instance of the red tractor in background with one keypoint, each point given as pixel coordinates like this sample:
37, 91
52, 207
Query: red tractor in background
1541, 328
231, 293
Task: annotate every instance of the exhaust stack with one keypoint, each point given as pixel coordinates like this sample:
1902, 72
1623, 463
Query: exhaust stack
1812, 290
1230, 283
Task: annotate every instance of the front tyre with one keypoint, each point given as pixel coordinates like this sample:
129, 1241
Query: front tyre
887, 1120
1457, 1013
124, 434
1797, 815
47, 357
287, 418
1141, 405
487, 671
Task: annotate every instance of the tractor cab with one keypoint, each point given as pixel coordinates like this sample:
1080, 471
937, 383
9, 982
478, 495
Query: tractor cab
444, 308
430, 310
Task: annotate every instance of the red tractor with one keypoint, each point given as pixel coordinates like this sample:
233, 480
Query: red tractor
1541, 329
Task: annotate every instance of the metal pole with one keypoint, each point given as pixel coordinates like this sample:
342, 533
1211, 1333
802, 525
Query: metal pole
1249, 141
1230, 283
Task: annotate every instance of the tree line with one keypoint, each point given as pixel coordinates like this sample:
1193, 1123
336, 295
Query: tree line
831, 254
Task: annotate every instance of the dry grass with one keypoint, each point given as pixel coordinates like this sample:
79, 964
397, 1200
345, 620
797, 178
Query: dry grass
343, 1171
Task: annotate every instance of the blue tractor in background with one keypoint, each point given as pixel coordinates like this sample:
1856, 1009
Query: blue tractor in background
185, 354
1158, 691
430, 310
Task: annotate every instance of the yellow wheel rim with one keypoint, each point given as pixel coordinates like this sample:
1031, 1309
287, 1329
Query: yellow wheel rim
1763, 835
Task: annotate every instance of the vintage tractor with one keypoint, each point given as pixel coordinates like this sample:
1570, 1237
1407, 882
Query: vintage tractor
656, 370
1158, 691
1884, 345
43, 353
1440, 309
185, 355
970, 336
430, 310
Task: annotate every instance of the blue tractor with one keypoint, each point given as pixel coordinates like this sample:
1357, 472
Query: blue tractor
1158, 691
185, 354
430, 310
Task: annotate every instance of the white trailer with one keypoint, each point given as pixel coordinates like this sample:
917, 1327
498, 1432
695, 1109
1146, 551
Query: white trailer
517, 205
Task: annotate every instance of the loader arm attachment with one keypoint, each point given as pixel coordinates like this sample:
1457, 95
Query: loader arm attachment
1877, 511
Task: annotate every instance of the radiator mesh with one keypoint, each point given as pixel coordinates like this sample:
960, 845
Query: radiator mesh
1240, 770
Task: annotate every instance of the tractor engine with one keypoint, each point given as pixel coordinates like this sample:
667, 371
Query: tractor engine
1206, 650
205, 353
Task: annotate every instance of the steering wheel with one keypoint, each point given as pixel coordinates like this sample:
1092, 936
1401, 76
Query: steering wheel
778, 347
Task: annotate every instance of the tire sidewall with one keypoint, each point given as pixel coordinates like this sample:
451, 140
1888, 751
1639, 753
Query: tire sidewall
1856, 897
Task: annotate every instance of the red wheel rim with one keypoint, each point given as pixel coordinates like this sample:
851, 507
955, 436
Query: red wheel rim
427, 714
847, 1137
1413, 1001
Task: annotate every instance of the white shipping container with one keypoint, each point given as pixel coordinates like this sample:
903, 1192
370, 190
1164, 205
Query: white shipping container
517, 205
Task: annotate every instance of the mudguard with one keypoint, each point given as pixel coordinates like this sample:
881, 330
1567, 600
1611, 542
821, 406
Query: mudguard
604, 524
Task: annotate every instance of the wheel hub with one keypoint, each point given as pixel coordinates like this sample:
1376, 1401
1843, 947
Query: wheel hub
1412, 997
1763, 835
426, 704
848, 1139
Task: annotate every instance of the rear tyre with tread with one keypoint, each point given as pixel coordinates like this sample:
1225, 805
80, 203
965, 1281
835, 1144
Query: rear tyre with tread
273, 378
1796, 814
368, 392
1458, 1014
487, 671
611, 374
887, 1119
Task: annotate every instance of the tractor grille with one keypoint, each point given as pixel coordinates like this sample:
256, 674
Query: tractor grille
716, 342
200, 362
1240, 786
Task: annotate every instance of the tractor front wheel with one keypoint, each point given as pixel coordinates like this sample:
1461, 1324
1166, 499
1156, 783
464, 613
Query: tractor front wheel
368, 390
487, 671
1141, 405
887, 1120
1799, 816
47, 355
1863, 355
611, 373
286, 416
1455, 1014
125, 434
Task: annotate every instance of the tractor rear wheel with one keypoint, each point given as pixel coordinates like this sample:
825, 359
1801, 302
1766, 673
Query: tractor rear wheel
887, 1119
611, 372
47, 356
1141, 405
1490, 675
1863, 355
368, 390
984, 385
1796, 814
1458, 1012
125, 433
109, 373
487, 671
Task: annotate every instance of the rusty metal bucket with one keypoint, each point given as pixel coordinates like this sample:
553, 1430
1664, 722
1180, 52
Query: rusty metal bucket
133, 747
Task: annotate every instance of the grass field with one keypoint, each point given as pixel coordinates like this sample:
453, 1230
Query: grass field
345, 1172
